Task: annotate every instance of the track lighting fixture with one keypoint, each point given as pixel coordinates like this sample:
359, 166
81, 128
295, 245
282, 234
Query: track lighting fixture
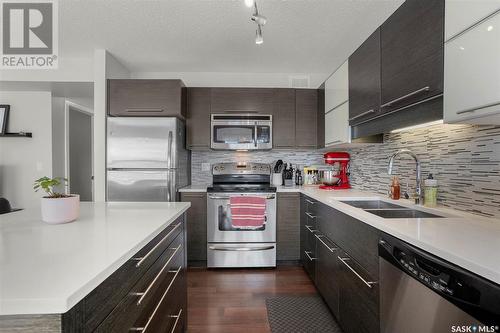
260, 20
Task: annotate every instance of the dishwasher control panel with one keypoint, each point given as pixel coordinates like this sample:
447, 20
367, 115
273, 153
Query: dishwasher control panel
429, 276
432, 273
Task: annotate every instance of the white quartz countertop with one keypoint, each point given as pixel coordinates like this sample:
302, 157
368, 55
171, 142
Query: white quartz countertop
49, 268
469, 241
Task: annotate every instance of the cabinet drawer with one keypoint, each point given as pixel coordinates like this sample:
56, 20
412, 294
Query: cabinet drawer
328, 272
146, 98
148, 291
357, 238
102, 300
310, 205
358, 297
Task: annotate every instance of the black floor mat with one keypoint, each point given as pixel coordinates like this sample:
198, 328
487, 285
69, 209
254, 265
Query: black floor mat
300, 314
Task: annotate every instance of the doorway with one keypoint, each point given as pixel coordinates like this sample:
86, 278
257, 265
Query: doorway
79, 151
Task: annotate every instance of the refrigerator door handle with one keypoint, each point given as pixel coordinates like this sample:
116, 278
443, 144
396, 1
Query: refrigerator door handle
169, 149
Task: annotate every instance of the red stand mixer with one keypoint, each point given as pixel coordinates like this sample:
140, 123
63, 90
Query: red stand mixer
338, 177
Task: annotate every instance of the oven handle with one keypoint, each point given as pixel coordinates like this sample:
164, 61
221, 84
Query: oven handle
260, 248
220, 197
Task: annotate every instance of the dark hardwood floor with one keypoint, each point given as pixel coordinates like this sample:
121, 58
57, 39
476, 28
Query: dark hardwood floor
232, 300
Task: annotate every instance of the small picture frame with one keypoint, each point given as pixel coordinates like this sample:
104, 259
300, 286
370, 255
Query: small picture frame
4, 118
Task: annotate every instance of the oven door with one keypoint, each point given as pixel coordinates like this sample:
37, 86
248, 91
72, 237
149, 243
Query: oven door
219, 225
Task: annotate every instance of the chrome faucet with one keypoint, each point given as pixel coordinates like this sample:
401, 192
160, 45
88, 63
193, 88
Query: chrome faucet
419, 171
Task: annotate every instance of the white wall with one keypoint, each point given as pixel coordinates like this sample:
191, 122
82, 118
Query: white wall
105, 67
22, 160
69, 70
209, 79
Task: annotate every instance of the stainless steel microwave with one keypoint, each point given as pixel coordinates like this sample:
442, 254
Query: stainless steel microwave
241, 131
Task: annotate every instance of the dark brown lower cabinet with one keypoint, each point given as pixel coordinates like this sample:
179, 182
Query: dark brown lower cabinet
358, 301
328, 272
288, 227
338, 253
153, 291
196, 225
307, 238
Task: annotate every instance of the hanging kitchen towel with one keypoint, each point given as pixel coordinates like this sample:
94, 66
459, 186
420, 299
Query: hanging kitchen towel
247, 212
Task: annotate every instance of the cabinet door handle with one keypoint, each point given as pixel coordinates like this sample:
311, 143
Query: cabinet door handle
367, 283
310, 215
362, 114
310, 202
143, 110
309, 256
177, 317
319, 237
399, 99
478, 108
259, 248
145, 292
308, 227
150, 319
140, 260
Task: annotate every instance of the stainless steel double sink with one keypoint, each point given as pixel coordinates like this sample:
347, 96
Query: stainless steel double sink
389, 210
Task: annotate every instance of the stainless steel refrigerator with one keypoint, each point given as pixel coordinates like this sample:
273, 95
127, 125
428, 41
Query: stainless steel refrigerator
146, 158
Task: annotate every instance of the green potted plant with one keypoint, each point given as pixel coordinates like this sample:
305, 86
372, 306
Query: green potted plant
57, 207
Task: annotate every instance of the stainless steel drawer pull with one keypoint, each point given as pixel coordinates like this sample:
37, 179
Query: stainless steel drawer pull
310, 202
220, 197
310, 228
177, 317
310, 215
362, 114
150, 319
143, 110
140, 260
367, 283
309, 256
319, 237
145, 292
479, 108
418, 91
260, 248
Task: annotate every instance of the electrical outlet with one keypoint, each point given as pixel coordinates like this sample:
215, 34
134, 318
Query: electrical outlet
205, 166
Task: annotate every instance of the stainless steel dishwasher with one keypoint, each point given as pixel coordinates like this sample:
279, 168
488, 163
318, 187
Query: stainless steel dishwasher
421, 293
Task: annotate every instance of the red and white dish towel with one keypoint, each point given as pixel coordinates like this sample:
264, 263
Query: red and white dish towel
247, 212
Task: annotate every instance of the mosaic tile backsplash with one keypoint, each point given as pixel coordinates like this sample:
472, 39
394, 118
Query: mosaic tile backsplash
465, 159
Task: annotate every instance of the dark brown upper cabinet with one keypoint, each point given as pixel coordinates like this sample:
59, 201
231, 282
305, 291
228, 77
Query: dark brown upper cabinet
412, 50
242, 100
306, 118
364, 80
198, 118
148, 98
284, 118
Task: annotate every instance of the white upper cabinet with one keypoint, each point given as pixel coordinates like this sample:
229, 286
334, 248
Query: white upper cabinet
472, 75
462, 14
337, 87
337, 130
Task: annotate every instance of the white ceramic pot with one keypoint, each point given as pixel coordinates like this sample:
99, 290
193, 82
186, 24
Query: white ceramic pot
61, 210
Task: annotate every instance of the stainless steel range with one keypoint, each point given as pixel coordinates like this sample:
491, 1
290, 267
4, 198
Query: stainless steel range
230, 244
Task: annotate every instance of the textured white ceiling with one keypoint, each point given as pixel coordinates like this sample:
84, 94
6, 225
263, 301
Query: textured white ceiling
301, 36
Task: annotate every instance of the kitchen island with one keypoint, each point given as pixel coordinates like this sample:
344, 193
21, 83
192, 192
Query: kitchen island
116, 259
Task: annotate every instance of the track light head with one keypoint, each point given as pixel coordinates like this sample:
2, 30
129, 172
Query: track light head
259, 19
258, 36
